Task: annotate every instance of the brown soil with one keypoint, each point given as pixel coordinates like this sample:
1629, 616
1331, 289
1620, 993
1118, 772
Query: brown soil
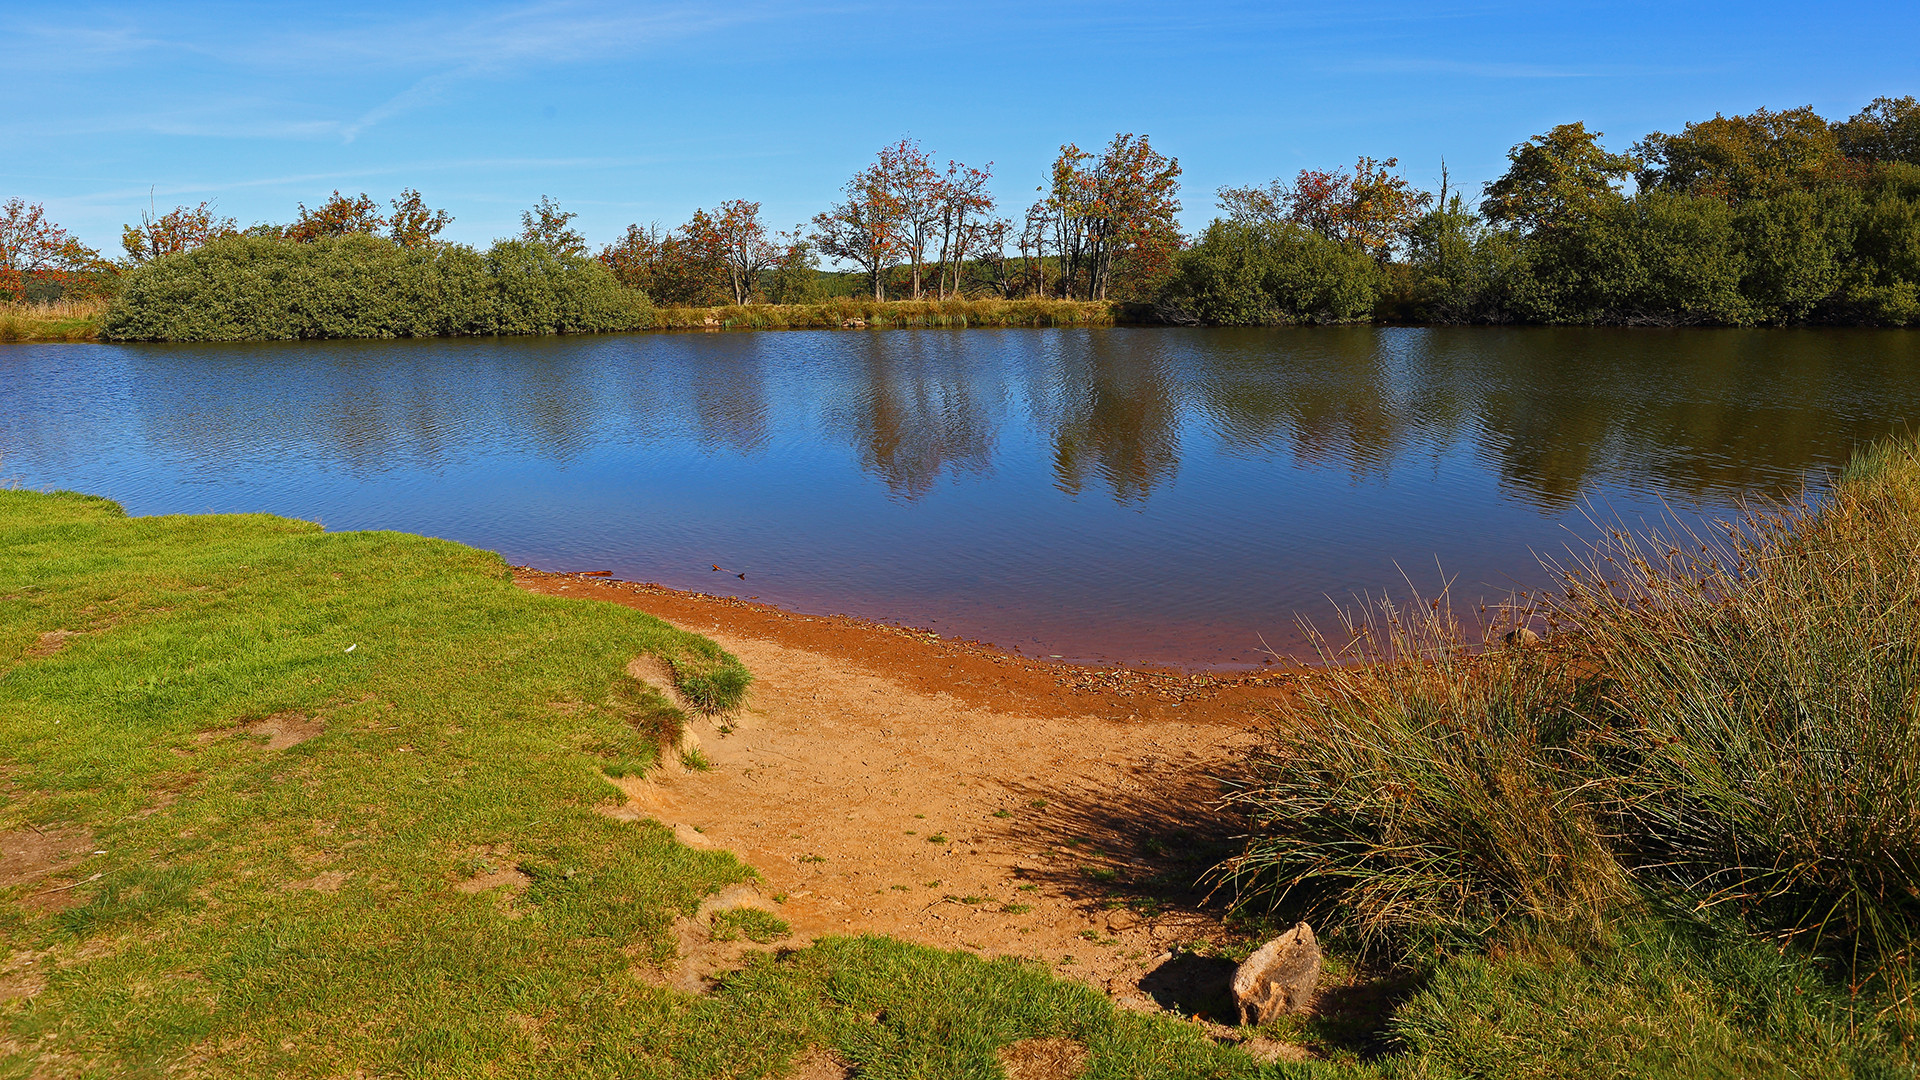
49, 643
39, 859
284, 730
886, 780
1043, 1059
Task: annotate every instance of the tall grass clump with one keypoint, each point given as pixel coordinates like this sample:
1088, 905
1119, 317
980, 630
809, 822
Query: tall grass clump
246, 288
1730, 721
1762, 709
1422, 783
51, 320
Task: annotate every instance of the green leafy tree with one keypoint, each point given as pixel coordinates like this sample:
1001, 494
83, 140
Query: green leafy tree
1461, 267
1554, 177
1274, 272
1888, 129
796, 277
241, 288
1735, 158
548, 225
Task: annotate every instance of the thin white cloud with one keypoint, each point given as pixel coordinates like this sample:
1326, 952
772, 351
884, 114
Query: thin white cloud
432, 57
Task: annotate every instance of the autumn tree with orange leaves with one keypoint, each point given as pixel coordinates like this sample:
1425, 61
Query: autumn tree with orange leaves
865, 229
692, 267
715, 257
967, 224
745, 248
413, 224
1114, 210
34, 250
340, 215
182, 228
635, 257
1371, 208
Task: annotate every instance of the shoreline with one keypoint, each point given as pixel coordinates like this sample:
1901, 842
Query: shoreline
885, 780
927, 661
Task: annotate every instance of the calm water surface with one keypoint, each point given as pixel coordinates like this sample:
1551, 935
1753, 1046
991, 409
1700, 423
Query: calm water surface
1175, 496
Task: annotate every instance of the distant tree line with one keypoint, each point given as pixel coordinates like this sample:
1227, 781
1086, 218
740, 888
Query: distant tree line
1771, 218
1768, 219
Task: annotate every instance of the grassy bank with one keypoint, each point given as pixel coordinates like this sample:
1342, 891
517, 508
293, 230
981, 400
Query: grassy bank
853, 313
60, 320
282, 802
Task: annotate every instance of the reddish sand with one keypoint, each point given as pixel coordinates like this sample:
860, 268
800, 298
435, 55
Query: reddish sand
887, 780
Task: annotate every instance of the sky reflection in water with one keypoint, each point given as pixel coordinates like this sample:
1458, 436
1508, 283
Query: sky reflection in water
1177, 496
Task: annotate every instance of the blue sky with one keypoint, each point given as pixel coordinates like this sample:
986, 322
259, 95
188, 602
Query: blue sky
641, 112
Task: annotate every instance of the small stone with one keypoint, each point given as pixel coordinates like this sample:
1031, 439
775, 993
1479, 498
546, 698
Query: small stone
1278, 978
1521, 635
1122, 919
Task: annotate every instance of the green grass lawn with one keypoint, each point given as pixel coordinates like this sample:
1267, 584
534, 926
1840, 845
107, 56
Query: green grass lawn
287, 764
246, 909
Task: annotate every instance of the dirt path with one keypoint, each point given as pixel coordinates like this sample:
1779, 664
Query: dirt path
888, 781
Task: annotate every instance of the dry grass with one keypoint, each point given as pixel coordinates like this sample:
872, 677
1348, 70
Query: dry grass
55, 320
1762, 709
851, 313
1731, 721
1428, 780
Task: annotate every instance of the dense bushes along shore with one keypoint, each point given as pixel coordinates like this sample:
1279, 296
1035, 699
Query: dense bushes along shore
245, 288
1843, 254
257, 289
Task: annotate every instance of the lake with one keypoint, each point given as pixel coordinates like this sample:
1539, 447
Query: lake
1171, 496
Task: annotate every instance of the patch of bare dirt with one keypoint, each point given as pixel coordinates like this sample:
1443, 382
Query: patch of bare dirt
1043, 1059
49, 643
883, 781
284, 730
37, 857
327, 881
512, 879
820, 1065
30, 854
700, 956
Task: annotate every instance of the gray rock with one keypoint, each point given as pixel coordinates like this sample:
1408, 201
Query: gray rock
1279, 978
1521, 635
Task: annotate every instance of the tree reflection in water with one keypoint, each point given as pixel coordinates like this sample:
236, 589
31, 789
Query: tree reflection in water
1170, 494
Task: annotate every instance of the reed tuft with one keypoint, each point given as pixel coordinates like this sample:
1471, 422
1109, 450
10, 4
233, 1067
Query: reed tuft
1730, 721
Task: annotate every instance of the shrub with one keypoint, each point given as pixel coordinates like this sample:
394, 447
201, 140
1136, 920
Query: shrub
250, 288
1272, 273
